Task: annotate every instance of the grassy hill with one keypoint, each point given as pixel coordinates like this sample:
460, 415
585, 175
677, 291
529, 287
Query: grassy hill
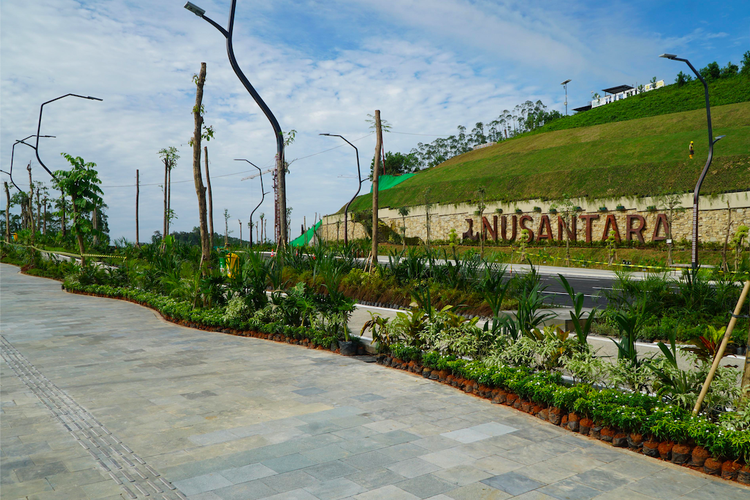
637, 157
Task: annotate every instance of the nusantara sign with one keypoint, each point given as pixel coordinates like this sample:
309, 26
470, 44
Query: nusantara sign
633, 230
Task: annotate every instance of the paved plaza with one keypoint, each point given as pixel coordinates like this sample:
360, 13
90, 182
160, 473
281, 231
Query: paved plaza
102, 399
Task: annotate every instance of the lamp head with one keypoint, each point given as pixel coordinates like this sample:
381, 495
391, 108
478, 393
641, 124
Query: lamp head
668, 56
195, 9
566, 82
329, 135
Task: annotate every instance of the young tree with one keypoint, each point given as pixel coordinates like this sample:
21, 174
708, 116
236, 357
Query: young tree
210, 199
403, 212
481, 206
81, 182
226, 227
682, 79
671, 202
745, 64
195, 142
566, 211
7, 212
169, 156
375, 173
427, 207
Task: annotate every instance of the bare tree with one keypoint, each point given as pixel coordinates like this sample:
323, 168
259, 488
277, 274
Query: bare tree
169, 156
200, 190
376, 168
7, 213
210, 198
137, 195
226, 227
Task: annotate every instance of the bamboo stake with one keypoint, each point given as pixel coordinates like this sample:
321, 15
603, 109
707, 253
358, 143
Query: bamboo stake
722, 347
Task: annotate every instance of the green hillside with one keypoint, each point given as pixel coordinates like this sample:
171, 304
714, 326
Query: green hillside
637, 157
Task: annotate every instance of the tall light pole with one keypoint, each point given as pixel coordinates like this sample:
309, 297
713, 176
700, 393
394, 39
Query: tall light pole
711, 142
13, 152
39, 125
262, 197
359, 187
565, 85
280, 165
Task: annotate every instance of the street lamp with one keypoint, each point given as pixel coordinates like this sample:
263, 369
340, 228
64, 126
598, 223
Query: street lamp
359, 187
12, 154
711, 142
565, 84
39, 126
280, 166
262, 197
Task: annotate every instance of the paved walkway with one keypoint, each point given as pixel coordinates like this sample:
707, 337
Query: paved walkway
102, 399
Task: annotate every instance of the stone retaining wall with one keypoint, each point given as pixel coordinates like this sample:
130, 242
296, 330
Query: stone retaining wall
636, 220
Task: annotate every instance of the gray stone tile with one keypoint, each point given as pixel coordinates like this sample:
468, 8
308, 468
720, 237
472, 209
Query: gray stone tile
634, 468
330, 470
477, 491
288, 463
335, 489
247, 473
299, 494
602, 480
467, 435
326, 453
426, 486
448, 458
568, 489
714, 490
309, 391
199, 484
403, 451
251, 490
667, 484
369, 397
413, 467
512, 483
290, 481
369, 460
494, 429
375, 478
462, 475
395, 437
390, 492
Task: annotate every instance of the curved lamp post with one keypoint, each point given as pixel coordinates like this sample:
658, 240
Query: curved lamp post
262, 196
359, 187
39, 126
711, 142
280, 167
12, 154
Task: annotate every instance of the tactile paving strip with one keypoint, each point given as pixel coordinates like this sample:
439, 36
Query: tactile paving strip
125, 467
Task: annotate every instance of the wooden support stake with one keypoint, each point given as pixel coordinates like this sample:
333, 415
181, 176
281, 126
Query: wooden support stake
722, 347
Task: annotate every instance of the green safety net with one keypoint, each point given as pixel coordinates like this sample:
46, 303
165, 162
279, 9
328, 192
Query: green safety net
388, 181
306, 237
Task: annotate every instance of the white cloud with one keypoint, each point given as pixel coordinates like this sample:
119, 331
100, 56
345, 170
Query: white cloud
441, 64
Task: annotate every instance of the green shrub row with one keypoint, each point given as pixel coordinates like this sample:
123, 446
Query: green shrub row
631, 412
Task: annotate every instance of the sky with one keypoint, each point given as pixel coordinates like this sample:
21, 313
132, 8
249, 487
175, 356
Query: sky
322, 67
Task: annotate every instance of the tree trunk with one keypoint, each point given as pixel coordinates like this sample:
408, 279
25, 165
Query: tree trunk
724, 263
169, 198
210, 199
281, 194
226, 232
30, 206
200, 190
95, 225
376, 166
165, 229
7, 213
79, 236
745, 387
62, 214
44, 226
137, 196
38, 211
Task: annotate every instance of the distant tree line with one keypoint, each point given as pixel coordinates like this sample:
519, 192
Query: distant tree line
713, 72
522, 118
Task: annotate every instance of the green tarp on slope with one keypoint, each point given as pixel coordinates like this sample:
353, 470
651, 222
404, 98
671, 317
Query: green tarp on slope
306, 237
388, 181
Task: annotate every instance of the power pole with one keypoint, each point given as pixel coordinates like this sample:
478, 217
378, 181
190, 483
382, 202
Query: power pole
137, 195
378, 146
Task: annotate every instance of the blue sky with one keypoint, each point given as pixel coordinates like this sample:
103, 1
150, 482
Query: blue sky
321, 67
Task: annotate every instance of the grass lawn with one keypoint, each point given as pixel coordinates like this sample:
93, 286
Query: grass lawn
638, 157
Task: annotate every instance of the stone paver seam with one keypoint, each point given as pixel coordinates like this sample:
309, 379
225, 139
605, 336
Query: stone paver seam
105, 448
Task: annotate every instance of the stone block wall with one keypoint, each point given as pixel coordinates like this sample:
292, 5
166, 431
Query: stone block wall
636, 220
